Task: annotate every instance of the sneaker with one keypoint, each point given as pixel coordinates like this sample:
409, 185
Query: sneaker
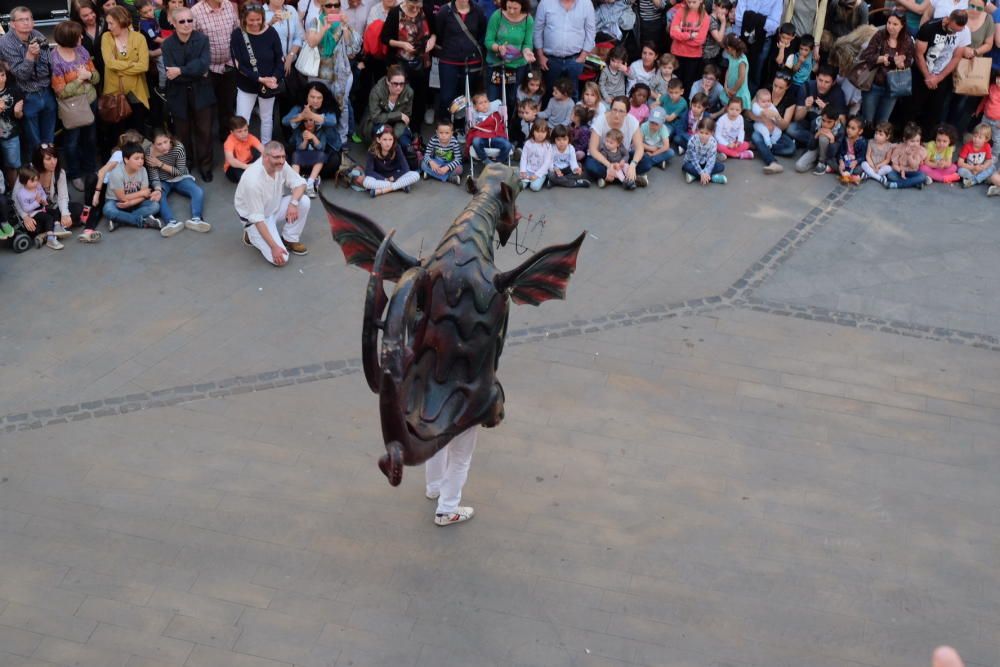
720, 179
967, 182
429, 117
111, 225
773, 168
6, 231
746, 155
584, 183
152, 222
171, 228
820, 169
54, 243
89, 237
246, 239
721, 157
311, 190
891, 185
432, 495
663, 165
455, 178
406, 189
642, 180
196, 224
60, 231
993, 191
423, 177
295, 247
458, 516
928, 180
356, 138
629, 185
680, 150
77, 184
601, 182
883, 180
688, 178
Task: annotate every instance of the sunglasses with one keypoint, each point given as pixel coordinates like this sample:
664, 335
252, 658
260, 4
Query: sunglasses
397, 83
331, 4
184, 21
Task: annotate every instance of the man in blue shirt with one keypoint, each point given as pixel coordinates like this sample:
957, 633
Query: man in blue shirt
564, 36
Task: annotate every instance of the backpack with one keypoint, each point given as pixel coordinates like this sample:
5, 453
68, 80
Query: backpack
372, 42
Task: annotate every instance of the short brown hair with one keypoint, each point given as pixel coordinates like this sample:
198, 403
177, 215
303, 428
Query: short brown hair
67, 34
120, 16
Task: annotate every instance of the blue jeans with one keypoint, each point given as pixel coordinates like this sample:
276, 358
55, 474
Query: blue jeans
659, 158
912, 180
757, 65
10, 152
480, 144
559, 68
133, 217
689, 168
39, 119
188, 188
596, 170
784, 146
981, 177
80, 148
535, 183
800, 133
426, 168
678, 131
877, 104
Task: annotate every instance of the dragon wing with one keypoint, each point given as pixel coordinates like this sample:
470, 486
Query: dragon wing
359, 239
543, 276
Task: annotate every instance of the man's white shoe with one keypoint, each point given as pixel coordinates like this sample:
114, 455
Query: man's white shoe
171, 228
197, 225
458, 516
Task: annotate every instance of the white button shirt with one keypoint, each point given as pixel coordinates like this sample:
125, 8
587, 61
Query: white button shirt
258, 195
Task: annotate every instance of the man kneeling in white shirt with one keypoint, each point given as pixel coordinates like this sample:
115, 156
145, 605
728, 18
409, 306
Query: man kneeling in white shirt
261, 201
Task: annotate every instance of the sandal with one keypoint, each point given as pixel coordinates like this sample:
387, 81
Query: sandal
92, 237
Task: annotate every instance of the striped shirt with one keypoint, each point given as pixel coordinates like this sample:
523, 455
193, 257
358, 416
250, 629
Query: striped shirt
451, 154
176, 158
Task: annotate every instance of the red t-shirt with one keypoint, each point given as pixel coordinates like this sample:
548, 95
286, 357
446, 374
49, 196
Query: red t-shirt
976, 156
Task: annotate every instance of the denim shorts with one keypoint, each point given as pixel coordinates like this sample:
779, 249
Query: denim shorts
10, 152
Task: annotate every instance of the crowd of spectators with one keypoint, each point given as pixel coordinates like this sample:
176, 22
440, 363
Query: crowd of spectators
130, 101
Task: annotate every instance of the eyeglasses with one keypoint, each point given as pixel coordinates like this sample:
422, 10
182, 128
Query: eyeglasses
397, 83
184, 21
332, 4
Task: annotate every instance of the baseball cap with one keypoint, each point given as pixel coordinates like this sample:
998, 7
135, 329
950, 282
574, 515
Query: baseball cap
658, 116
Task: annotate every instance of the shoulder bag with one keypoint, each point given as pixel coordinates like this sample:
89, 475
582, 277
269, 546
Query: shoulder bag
114, 107
75, 111
264, 91
308, 61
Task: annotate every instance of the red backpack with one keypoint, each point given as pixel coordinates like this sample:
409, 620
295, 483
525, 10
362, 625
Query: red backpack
372, 42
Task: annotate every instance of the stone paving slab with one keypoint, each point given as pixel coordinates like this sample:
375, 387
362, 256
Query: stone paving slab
734, 488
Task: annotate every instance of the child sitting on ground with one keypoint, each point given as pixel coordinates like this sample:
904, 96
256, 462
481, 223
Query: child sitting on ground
975, 161
443, 156
768, 115
878, 158
699, 159
851, 152
824, 141
989, 107
386, 169
675, 107
940, 163
130, 200
560, 108
637, 99
30, 203
579, 131
532, 88
527, 112
613, 150
241, 149
907, 156
730, 133
613, 81
566, 171
656, 138
709, 85
536, 157
488, 129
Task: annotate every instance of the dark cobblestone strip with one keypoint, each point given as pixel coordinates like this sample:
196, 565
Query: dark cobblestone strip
872, 323
274, 379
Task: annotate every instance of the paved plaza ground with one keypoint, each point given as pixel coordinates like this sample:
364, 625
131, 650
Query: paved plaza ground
760, 431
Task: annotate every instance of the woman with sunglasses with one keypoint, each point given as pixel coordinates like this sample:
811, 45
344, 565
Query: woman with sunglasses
260, 67
408, 35
390, 103
891, 48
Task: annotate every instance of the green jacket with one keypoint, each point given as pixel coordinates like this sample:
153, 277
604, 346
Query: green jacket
379, 113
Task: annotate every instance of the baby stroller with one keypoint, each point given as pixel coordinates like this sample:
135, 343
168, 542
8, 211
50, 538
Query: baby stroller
469, 109
21, 240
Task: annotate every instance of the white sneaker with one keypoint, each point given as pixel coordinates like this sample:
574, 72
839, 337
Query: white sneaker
196, 224
171, 228
311, 190
458, 516
432, 495
60, 231
54, 243
688, 178
993, 191
429, 117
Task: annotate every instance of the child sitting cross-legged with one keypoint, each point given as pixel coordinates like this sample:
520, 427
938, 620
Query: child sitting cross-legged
851, 152
940, 165
729, 132
975, 161
907, 157
443, 156
130, 200
638, 108
566, 171
878, 157
656, 138
386, 169
536, 157
699, 160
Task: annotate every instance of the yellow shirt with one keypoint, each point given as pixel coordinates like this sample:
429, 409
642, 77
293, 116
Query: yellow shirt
130, 69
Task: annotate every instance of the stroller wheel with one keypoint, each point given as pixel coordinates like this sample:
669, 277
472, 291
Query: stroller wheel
21, 243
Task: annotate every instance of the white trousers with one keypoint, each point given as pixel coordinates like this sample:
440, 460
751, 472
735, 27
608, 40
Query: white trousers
447, 470
244, 107
290, 232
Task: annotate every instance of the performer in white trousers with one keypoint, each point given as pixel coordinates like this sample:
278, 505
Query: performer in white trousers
446, 473
261, 202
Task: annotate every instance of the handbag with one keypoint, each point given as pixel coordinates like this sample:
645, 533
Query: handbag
307, 63
75, 111
972, 76
899, 82
264, 91
114, 107
861, 76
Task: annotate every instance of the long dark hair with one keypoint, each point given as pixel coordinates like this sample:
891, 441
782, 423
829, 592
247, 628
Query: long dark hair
329, 101
38, 159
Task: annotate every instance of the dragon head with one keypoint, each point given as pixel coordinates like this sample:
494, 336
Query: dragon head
503, 183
